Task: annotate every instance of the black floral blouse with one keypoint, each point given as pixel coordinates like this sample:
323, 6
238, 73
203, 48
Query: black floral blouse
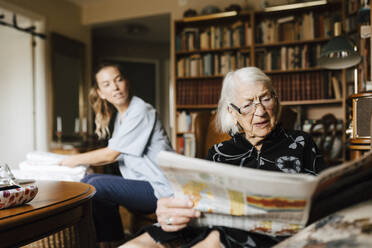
282, 150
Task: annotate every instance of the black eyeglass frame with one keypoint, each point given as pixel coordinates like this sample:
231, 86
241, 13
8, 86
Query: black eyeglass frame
255, 104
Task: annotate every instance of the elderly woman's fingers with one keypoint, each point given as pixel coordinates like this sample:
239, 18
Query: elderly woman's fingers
172, 202
175, 207
186, 212
176, 217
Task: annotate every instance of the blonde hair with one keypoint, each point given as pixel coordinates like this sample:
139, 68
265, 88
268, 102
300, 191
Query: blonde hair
103, 111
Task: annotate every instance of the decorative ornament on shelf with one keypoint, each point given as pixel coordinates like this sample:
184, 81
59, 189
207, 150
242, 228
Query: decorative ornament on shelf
190, 13
233, 7
210, 9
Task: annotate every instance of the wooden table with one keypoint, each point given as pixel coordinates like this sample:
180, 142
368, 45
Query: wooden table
56, 206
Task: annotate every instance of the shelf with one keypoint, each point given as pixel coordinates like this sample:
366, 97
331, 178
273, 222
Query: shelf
311, 102
209, 17
295, 70
244, 49
283, 103
198, 106
295, 6
267, 72
200, 77
293, 42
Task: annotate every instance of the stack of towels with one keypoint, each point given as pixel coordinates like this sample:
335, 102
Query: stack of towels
44, 166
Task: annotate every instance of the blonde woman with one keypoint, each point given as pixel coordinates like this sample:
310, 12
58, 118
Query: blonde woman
137, 138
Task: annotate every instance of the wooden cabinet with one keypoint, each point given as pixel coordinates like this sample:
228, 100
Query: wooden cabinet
284, 44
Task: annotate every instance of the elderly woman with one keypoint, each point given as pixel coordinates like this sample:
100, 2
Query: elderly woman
248, 110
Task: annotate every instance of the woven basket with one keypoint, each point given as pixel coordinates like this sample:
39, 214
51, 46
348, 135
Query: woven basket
67, 238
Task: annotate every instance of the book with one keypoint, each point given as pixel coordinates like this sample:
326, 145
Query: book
287, 31
266, 202
336, 88
181, 145
195, 64
182, 123
248, 34
189, 139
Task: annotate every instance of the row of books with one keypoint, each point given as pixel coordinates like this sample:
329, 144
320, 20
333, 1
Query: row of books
289, 87
305, 27
190, 92
211, 64
186, 144
306, 86
237, 34
291, 57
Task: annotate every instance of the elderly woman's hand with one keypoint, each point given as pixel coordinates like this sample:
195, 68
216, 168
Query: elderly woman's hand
174, 213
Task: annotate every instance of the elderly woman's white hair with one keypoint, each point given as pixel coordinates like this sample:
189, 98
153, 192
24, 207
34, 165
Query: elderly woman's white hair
246, 75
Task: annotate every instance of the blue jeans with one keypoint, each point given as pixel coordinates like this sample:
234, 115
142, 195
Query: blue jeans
112, 191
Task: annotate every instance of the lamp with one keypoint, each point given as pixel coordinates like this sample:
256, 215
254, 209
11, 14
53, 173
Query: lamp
339, 52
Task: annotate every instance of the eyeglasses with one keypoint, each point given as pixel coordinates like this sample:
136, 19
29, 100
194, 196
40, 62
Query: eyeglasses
266, 102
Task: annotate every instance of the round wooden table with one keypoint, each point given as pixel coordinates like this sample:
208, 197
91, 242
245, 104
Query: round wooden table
56, 206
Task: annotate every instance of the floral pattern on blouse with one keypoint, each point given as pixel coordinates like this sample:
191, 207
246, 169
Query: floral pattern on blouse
282, 150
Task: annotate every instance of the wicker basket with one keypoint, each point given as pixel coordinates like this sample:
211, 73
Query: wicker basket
67, 238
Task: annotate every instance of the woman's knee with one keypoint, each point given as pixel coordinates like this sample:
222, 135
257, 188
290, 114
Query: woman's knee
88, 177
142, 241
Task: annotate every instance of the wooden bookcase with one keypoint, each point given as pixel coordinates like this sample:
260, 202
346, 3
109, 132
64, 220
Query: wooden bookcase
282, 43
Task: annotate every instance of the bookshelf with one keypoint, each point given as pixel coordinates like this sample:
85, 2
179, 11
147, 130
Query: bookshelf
284, 44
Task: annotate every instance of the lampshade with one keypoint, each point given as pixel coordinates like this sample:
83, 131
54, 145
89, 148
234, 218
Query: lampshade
338, 53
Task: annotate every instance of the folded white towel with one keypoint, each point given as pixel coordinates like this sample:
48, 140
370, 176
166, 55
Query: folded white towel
44, 158
44, 166
51, 172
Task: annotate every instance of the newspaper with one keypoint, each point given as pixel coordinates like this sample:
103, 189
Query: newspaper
271, 203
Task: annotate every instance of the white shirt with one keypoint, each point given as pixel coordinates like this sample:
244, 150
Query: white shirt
140, 136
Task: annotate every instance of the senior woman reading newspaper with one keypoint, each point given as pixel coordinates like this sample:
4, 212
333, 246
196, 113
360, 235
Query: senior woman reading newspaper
248, 110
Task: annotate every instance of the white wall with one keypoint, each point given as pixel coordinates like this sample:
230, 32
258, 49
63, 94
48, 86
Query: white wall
17, 108
110, 10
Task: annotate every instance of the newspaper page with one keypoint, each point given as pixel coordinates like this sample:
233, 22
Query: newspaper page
267, 202
347, 172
